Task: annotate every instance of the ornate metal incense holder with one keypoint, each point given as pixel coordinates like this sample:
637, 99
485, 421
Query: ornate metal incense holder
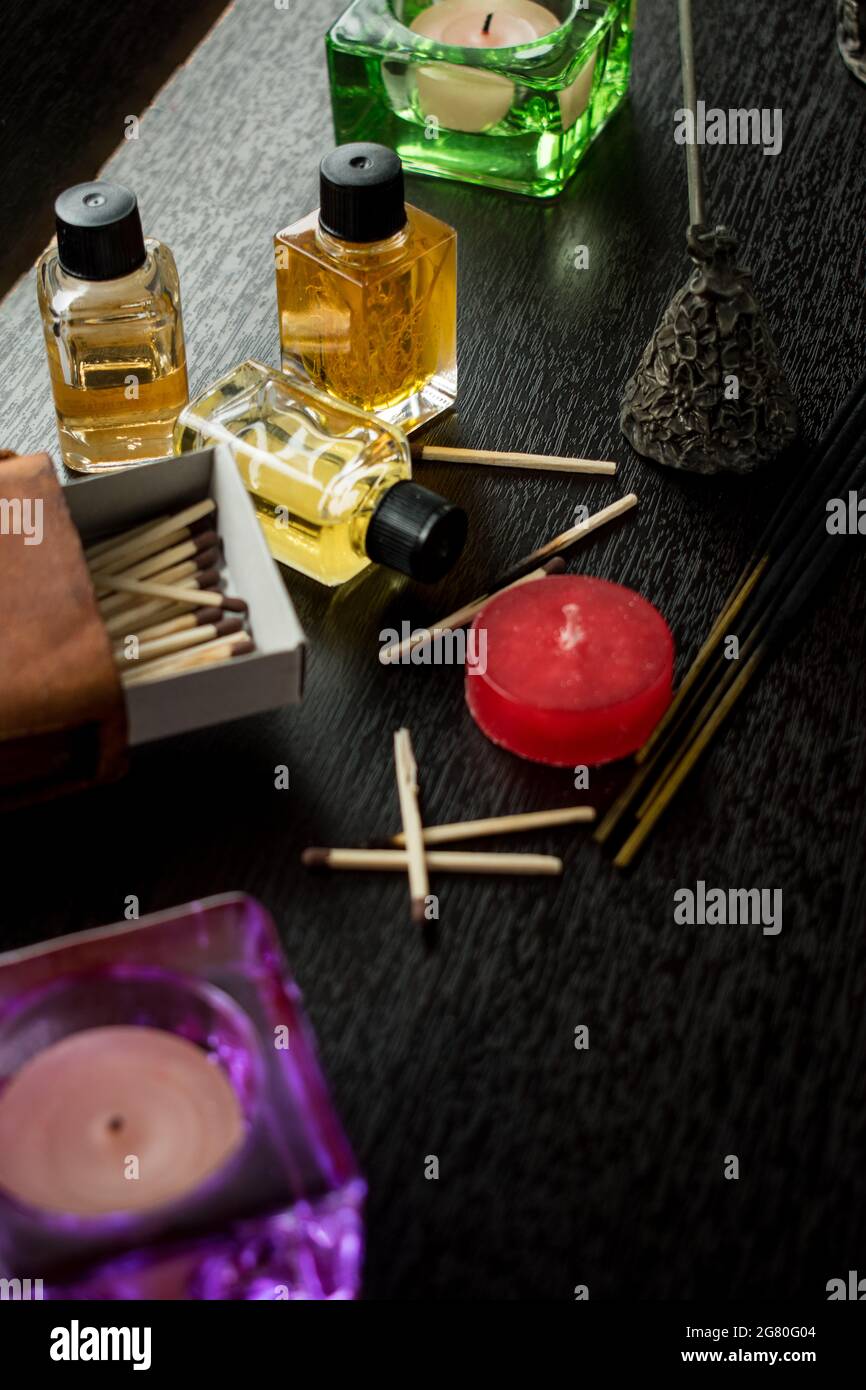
851, 34
709, 394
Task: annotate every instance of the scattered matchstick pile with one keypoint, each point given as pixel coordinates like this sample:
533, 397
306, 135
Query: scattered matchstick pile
523, 572
412, 855
158, 590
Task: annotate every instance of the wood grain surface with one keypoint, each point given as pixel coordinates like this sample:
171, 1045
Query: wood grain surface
558, 1167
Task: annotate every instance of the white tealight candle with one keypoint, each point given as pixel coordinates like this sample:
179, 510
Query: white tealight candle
473, 99
115, 1119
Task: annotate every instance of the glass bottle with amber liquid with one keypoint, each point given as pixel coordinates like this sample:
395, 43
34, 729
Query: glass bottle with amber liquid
110, 304
332, 486
367, 292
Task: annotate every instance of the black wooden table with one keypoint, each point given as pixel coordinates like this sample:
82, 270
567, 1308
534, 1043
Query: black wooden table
558, 1167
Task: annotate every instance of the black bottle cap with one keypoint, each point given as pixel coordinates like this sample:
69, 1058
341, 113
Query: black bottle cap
361, 193
416, 531
99, 231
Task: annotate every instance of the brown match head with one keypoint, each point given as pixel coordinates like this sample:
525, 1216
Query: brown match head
207, 579
554, 566
419, 914
206, 540
315, 858
235, 605
227, 625
244, 649
208, 559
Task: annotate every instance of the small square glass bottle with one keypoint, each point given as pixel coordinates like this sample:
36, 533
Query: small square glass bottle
332, 485
110, 306
367, 292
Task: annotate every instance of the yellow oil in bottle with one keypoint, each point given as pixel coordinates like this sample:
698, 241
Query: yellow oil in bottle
315, 469
367, 291
111, 316
373, 325
123, 410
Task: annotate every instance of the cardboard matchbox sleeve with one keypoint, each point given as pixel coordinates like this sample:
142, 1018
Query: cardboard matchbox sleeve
66, 720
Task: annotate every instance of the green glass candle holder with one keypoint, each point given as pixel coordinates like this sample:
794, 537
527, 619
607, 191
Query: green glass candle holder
514, 105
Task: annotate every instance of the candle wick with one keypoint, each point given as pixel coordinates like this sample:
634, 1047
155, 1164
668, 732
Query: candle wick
485, 28
115, 1124
571, 634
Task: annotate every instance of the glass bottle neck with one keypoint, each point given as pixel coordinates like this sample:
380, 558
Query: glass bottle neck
360, 253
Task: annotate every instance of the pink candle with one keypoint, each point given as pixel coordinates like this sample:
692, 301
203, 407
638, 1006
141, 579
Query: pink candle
468, 98
115, 1119
578, 670
471, 99
482, 28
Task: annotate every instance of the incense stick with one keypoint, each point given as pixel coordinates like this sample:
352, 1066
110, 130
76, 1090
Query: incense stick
767, 605
448, 861
501, 825
693, 154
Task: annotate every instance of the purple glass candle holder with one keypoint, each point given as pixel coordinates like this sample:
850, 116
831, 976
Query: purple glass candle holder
280, 1218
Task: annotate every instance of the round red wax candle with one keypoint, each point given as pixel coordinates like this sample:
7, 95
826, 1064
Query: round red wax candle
571, 670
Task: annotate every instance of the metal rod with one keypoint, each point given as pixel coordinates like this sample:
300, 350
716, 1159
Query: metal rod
693, 153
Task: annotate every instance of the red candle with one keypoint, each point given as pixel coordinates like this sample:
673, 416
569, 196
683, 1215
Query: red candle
573, 670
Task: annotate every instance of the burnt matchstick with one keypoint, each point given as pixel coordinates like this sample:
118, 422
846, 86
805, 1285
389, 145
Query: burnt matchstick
407, 791
460, 618
495, 458
443, 861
